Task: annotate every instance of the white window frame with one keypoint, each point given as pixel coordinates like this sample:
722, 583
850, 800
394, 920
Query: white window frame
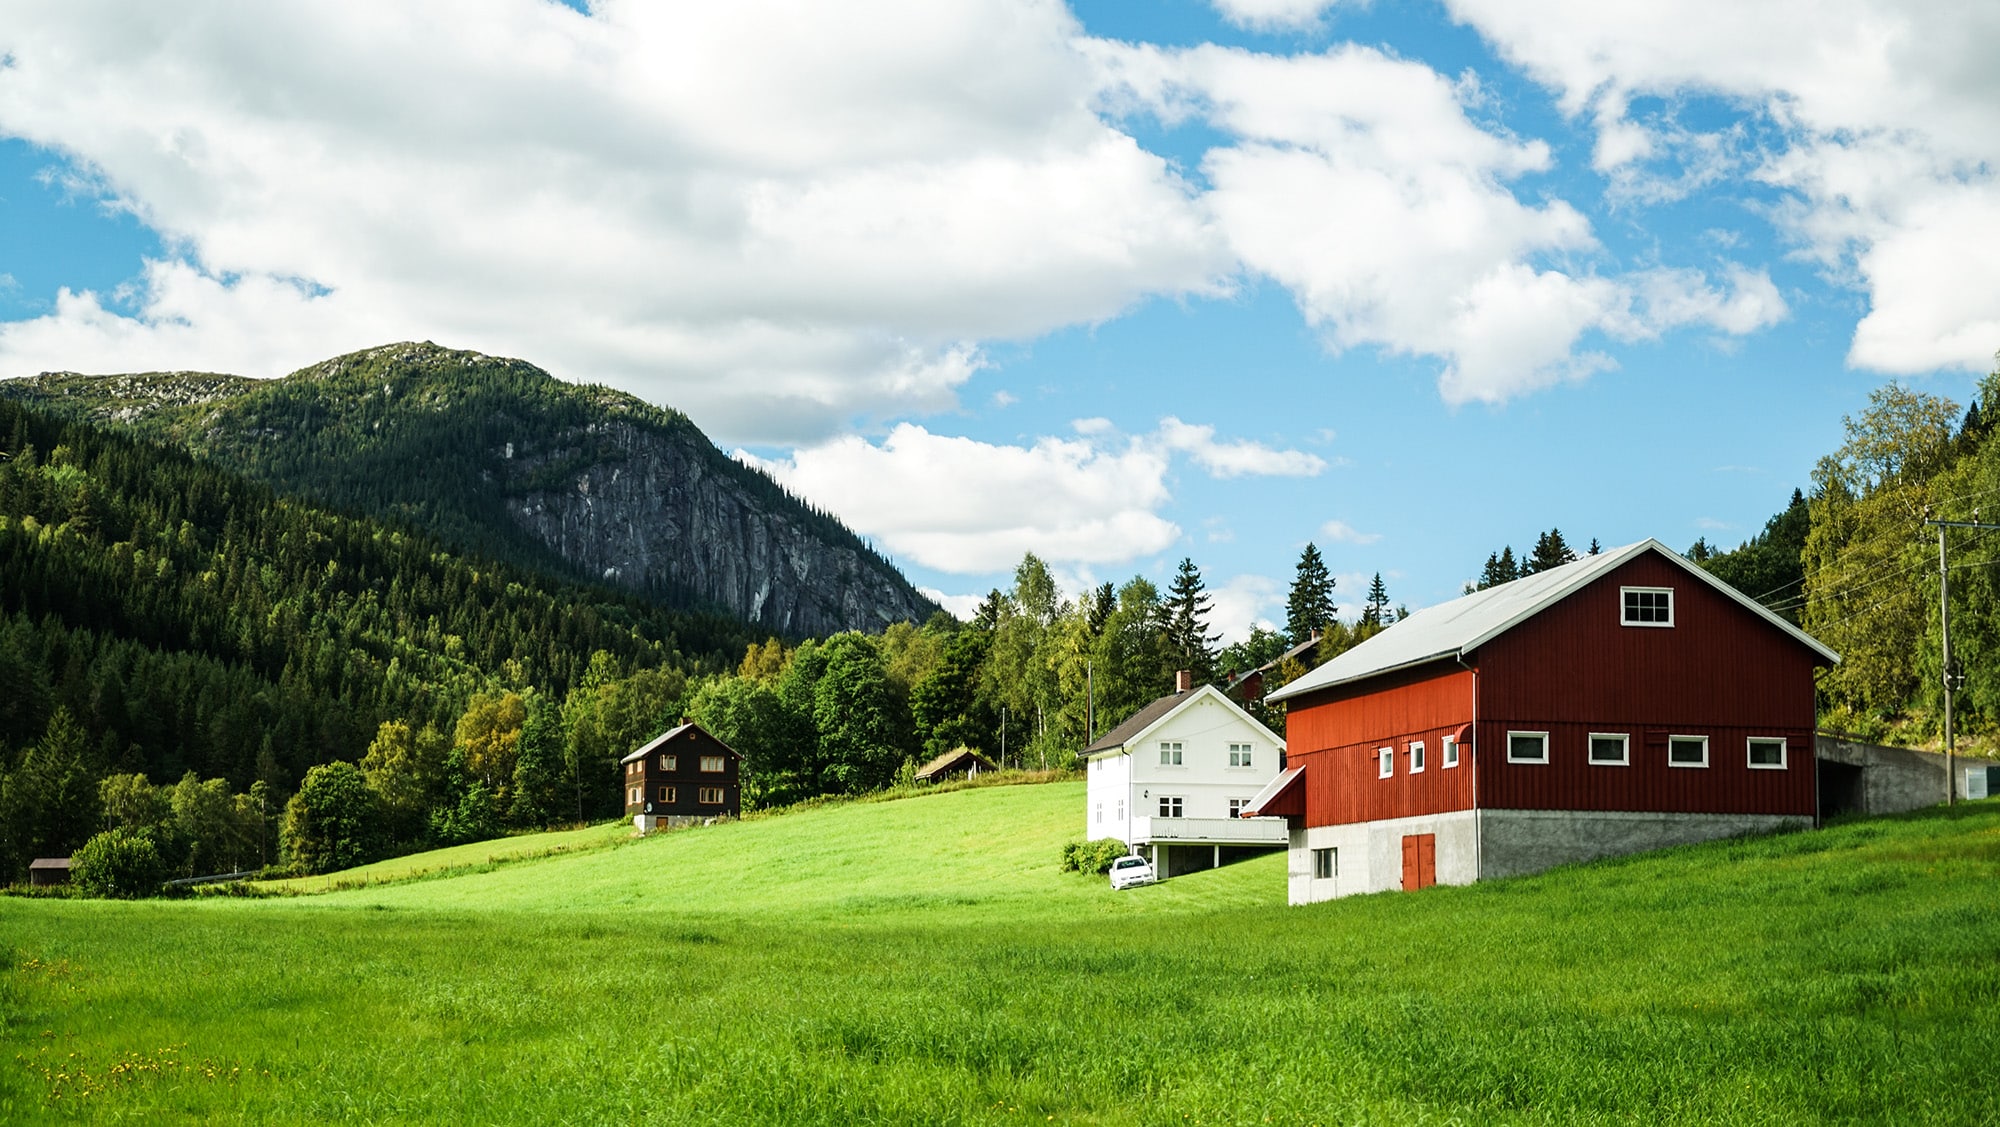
1625, 749
1330, 855
1385, 766
1244, 751
1236, 806
1543, 761
1121, 810
1671, 740
1100, 813
1625, 619
1448, 752
1749, 758
635, 796
1175, 802
1416, 750
1171, 748
670, 762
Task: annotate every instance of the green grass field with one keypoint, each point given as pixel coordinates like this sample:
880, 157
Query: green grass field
923, 961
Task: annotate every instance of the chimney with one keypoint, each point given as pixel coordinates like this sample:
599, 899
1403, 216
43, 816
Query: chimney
1184, 680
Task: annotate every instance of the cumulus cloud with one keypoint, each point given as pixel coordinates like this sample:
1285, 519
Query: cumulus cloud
964, 506
1884, 141
1273, 15
777, 217
1358, 181
1241, 602
1341, 532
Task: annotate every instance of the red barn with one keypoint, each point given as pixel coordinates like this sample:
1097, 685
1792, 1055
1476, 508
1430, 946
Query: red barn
1624, 702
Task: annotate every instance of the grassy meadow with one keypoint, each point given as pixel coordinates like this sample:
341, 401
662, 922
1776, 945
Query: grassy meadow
923, 961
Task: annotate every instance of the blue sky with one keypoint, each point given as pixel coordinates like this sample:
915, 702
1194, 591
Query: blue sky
1112, 282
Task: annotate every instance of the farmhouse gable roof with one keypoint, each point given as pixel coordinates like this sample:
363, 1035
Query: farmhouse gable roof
1136, 726
1462, 625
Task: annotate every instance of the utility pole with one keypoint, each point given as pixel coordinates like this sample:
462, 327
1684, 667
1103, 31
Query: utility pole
1944, 638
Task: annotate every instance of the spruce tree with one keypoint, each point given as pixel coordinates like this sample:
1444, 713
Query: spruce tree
1375, 609
1551, 551
1310, 606
1188, 639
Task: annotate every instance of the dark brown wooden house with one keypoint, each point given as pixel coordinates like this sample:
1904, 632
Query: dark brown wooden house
684, 776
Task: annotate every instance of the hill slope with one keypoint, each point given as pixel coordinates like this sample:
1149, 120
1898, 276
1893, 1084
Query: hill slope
822, 967
497, 457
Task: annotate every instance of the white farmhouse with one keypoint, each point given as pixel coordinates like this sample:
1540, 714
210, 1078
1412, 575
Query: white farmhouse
1170, 781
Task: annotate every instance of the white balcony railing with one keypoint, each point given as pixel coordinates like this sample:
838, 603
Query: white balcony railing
1216, 831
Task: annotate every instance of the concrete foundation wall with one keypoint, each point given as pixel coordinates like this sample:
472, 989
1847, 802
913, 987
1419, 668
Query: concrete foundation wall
1893, 779
1517, 842
1369, 855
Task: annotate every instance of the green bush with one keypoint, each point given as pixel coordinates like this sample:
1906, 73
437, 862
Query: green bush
118, 862
1092, 856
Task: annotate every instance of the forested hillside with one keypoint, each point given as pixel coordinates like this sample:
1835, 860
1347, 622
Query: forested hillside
160, 615
498, 458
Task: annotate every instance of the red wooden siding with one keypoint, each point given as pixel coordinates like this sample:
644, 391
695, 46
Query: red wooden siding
1334, 736
1719, 671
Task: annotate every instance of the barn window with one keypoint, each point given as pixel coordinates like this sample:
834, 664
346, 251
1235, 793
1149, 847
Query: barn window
1611, 749
711, 763
1767, 754
1326, 864
1386, 765
710, 796
1172, 807
1416, 757
1449, 750
1687, 751
1647, 606
1239, 755
1170, 753
1527, 747
670, 762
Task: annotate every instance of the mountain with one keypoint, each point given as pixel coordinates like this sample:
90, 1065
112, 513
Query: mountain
497, 457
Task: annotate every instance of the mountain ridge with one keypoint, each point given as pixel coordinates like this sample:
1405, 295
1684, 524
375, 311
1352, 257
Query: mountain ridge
496, 456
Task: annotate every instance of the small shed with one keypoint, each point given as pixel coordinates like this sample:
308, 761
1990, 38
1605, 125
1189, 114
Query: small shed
44, 872
957, 763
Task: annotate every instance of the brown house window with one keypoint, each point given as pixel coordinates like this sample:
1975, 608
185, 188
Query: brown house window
711, 763
633, 798
666, 794
711, 796
670, 762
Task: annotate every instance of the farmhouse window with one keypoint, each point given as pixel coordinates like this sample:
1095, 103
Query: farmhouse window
1416, 756
633, 798
666, 794
710, 796
1611, 749
632, 768
1121, 809
1239, 755
1767, 754
1326, 864
1385, 765
1687, 751
711, 763
1647, 606
1170, 753
1527, 747
670, 762
1449, 750
1236, 806
1171, 807
1100, 813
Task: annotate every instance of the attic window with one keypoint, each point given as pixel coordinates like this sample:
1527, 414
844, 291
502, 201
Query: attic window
1647, 606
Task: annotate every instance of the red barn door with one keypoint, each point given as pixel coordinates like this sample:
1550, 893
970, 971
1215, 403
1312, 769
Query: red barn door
1419, 861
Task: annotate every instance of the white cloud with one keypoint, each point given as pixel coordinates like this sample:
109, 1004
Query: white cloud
964, 506
1242, 601
1273, 15
1236, 459
962, 607
776, 217
1358, 181
1884, 114
1340, 532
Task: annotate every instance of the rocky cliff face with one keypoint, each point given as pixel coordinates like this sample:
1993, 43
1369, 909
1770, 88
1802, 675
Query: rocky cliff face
496, 456
659, 511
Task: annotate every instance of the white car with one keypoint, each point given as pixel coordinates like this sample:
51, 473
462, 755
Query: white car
1128, 872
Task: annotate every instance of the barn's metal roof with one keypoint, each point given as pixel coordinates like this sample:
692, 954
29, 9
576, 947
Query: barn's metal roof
1456, 628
